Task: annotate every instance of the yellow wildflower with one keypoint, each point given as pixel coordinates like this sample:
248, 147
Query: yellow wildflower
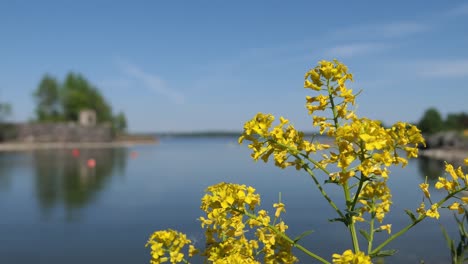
464, 199
279, 208
348, 257
450, 186
424, 187
433, 213
421, 209
167, 241
449, 168
387, 227
457, 207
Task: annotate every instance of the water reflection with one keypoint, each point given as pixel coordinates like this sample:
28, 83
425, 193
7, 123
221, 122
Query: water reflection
52, 196
431, 168
6, 165
65, 177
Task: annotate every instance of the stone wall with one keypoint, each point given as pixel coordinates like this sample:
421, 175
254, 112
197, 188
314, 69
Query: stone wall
63, 132
8, 132
447, 139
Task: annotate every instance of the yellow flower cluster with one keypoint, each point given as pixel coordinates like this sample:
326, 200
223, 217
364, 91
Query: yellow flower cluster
387, 228
376, 199
348, 257
375, 145
432, 212
167, 245
457, 182
358, 161
331, 78
227, 205
362, 147
355, 138
282, 140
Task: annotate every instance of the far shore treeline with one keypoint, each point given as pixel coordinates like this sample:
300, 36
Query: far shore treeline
62, 101
432, 122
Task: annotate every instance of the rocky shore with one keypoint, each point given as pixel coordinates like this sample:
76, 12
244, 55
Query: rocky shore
451, 155
450, 146
25, 146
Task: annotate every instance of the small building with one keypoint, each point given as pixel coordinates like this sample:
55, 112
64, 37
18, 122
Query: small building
87, 118
85, 130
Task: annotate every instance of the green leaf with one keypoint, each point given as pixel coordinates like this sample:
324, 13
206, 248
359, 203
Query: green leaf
331, 181
301, 236
385, 253
446, 236
450, 242
337, 220
411, 215
364, 234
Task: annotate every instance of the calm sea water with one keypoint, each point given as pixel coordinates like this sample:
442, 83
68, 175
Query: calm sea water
54, 209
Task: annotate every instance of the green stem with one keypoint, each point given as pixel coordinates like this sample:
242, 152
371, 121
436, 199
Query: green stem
295, 153
408, 227
332, 103
322, 191
318, 165
371, 233
351, 226
285, 237
356, 196
401, 232
362, 179
312, 175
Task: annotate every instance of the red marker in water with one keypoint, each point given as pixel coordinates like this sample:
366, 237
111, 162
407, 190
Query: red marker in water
133, 154
91, 163
75, 153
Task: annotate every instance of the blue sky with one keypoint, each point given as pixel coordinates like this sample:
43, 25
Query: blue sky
211, 65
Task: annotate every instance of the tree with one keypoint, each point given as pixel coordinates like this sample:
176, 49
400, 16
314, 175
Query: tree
456, 121
47, 96
120, 122
431, 122
5, 111
79, 94
64, 101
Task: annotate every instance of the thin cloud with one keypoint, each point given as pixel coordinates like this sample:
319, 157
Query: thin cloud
355, 49
121, 83
389, 30
399, 29
152, 82
443, 69
460, 10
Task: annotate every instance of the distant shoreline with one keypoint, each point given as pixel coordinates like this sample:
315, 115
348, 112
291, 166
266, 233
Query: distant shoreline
213, 134
27, 146
450, 155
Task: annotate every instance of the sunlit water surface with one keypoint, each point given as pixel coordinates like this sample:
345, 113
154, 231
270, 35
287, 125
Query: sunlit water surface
55, 209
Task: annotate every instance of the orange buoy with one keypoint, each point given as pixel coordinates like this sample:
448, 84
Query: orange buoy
133, 154
75, 153
91, 163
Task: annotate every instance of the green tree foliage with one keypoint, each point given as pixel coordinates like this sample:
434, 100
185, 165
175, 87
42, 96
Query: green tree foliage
64, 101
431, 122
456, 121
120, 122
7, 130
79, 94
48, 100
5, 111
